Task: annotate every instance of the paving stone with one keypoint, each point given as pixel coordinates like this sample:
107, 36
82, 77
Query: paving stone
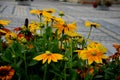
2, 7
107, 34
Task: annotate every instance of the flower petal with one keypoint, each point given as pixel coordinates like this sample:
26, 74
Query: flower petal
53, 57
49, 59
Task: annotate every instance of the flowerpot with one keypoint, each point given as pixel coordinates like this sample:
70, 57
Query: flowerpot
28, 3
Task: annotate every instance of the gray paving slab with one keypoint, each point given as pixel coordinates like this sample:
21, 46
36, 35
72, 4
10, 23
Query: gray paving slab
107, 34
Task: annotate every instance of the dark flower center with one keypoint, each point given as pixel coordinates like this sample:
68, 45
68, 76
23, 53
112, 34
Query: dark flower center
4, 72
93, 25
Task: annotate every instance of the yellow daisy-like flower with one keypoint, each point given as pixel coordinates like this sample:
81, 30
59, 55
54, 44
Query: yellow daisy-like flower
72, 34
79, 52
40, 12
34, 26
2, 31
91, 24
48, 56
50, 10
53, 19
92, 55
11, 36
75, 35
63, 27
58, 19
80, 38
98, 46
47, 19
4, 22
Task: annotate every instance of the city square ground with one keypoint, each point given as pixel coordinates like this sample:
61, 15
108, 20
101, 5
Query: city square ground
107, 34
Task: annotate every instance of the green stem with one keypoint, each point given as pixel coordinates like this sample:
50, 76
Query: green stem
89, 32
25, 66
65, 71
102, 2
71, 55
45, 72
62, 39
88, 36
40, 24
13, 55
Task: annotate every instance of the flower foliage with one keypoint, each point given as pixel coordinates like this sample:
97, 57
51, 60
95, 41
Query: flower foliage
50, 48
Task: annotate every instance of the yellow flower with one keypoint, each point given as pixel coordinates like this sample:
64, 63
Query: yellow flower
40, 12
48, 56
79, 52
98, 46
92, 55
91, 24
34, 26
57, 19
75, 35
63, 27
80, 38
10, 36
72, 34
47, 19
4, 22
50, 10
2, 31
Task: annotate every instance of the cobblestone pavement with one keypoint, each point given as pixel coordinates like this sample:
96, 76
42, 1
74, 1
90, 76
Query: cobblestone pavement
108, 34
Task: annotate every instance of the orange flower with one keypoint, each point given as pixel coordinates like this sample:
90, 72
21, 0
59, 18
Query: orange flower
63, 27
93, 53
117, 47
30, 46
17, 29
84, 73
48, 56
118, 77
6, 72
116, 55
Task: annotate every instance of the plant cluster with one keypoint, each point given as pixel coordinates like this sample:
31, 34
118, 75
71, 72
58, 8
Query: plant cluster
51, 49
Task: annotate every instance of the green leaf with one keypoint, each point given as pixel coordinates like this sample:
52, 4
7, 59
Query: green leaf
57, 74
6, 59
73, 74
98, 76
32, 63
35, 77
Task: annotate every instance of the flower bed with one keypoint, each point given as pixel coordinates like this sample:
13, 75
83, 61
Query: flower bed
51, 49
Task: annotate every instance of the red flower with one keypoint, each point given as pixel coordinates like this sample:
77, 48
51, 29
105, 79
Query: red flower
95, 5
6, 72
17, 29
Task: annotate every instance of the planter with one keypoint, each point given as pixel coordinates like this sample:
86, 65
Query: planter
28, 3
